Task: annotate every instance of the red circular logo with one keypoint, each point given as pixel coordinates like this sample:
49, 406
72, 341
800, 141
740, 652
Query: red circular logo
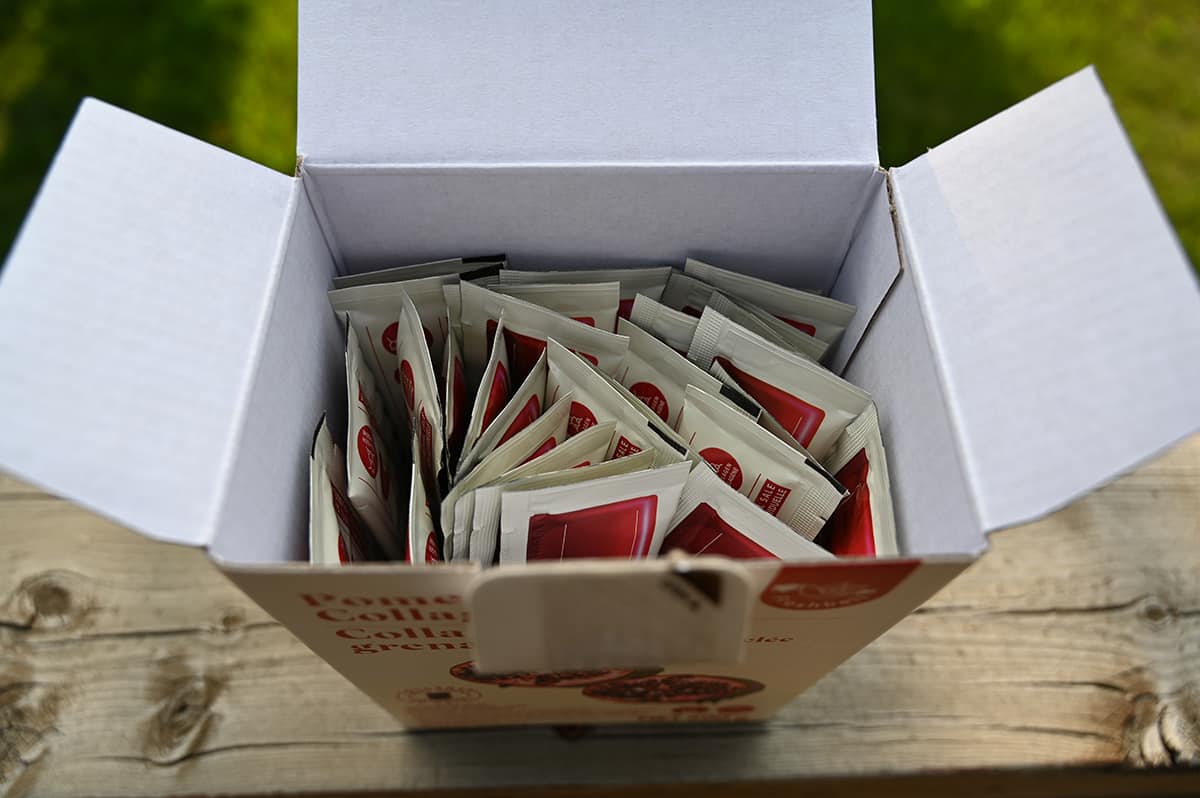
724, 464
388, 339
652, 397
580, 419
407, 381
829, 587
366, 451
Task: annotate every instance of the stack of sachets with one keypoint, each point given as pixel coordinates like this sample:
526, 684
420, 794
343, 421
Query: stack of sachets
500, 415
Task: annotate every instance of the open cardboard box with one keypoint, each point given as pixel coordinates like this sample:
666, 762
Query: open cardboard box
1028, 323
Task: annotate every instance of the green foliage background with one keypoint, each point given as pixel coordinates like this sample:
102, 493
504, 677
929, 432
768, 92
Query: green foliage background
225, 70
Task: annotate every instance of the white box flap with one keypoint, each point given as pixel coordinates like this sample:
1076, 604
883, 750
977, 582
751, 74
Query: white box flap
130, 313
1064, 316
538, 81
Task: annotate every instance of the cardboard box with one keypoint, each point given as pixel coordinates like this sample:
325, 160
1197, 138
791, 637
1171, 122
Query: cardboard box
1027, 322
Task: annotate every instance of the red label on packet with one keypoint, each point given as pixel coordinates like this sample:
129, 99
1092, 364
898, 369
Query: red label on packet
827, 587
652, 397
366, 451
497, 396
524, 350
388, 339
619, 529
580, 419
691, 311
431, 549
726, 466
772, 496
799, 325
588, 320
624, 448
528, 414
625, 308
850, 531
703, 531
797, 416
546, 446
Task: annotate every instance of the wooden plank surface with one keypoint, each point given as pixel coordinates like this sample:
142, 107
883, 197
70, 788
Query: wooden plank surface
133, 668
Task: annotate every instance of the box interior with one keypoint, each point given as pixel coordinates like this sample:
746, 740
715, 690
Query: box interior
828, 228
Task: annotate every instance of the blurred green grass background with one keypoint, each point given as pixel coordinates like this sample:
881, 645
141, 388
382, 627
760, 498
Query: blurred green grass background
225, 71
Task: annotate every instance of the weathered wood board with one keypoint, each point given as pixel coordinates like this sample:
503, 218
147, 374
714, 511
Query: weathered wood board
132, 668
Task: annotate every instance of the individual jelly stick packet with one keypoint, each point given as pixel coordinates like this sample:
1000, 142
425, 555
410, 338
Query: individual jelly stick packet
814, 314
464, 268
648, 281
373, 310
864, 525
770, 327
812, 403
540, 437
419, 394
673, 327
454, 393
656, 374
598, 398
585, 449
593, 304
424, 542
713, 518
485, 528
776, 477
527, 327
370, 468
335, 533
620, 516
523, 408
686, 293
494, 392
452, 296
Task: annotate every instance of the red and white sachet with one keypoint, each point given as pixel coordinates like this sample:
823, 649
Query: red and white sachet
419, 394
458, 507
524, 407
335, 533
527, 328
657, 375
673, 327
772, 328
373, 310
371, 484
649, 281
864, 525
455, 410
813, 404
775, 476
817, 315
593, 304
424, 544
491, 397
579, 459
713, 518
595, 398
622, 516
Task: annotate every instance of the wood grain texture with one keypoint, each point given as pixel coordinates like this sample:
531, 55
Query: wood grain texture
133, 668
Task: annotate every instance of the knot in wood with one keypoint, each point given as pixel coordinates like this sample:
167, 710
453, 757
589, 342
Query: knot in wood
182, 717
